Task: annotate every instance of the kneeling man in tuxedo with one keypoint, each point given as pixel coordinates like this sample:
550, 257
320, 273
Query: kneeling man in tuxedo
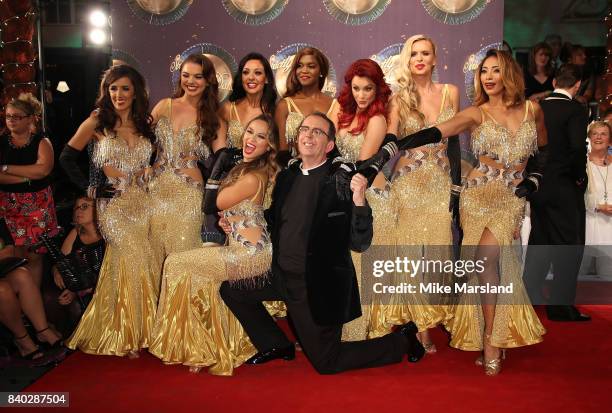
313, 230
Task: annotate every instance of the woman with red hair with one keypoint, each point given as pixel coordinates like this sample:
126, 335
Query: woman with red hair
361, 118
361, 121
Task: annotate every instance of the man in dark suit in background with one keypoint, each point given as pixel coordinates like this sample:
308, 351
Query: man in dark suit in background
557, 209
312, 231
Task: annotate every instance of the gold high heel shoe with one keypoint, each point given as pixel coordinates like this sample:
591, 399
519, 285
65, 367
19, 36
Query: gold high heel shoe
491, 367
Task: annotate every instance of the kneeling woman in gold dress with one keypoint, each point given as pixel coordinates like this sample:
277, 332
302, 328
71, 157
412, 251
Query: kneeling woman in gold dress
505, 132
119, 319
193, 325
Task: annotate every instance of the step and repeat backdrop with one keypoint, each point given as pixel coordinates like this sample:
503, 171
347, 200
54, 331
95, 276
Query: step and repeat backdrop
156, 35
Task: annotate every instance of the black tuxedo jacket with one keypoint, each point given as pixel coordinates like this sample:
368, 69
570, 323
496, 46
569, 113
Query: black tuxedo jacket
337, 227
566, 123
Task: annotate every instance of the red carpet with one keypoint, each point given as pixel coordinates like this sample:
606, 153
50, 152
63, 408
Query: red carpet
569, 372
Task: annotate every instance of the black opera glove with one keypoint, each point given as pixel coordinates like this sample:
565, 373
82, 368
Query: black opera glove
453, 152
68, 159
371, 166
105, 190
533, 179
342, 175
226, 159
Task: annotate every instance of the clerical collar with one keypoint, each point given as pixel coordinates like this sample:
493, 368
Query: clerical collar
305, 170
563, 92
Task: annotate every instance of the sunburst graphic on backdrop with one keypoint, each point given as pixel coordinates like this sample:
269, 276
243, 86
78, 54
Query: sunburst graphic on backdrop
470, 66
388, 60
224, 63
254, 12
122, 57
281, 63
356, 12
159, 12
454, 11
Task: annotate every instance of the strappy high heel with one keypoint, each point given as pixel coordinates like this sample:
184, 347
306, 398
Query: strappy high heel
56, 345
491, 367
31, 356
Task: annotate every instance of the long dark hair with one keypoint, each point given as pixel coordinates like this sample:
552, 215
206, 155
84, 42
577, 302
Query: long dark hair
266, 163
293, 84
268, 100
207, 121
107, 117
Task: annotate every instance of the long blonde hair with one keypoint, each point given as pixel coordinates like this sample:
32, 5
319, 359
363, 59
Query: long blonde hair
407, 96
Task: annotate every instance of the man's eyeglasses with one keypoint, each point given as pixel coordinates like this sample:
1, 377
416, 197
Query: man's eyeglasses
16, 117
82, 207
316, 132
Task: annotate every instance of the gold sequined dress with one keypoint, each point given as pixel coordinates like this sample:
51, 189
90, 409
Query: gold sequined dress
193, 326
294, 120
235, 130
120, 317
176, 198
420, 191
488, 202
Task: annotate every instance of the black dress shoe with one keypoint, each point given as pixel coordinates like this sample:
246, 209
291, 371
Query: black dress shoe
415, 350
286, 353
565, 313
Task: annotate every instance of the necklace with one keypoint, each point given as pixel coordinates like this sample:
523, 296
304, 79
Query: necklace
12, 144
604, 181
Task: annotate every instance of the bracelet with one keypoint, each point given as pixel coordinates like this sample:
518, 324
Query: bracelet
26, 180
4, 168
535, 181
456, 189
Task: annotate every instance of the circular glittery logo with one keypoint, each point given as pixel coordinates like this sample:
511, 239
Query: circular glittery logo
281, 63
224, 64
254, 12
122, 57
159, 12
470, 66
356, 12
454, 11
389, 59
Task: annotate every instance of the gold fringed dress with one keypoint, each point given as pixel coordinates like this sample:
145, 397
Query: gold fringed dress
488, 202
235, 130
120, 317
176, 198
294, 120
193, 326
420, 191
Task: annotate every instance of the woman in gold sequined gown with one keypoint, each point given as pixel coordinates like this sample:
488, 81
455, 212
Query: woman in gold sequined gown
421, 184
253, 94
505, 132
119, 319
361, 121
187, 130
304, 95
193, 325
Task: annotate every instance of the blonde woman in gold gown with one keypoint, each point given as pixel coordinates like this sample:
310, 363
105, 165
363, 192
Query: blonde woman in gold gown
193, 325
505, 131
304, 95
119, 319
421, 184
187, 131
360, 119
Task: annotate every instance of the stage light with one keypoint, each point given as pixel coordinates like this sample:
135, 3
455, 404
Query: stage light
97, 37
98, 18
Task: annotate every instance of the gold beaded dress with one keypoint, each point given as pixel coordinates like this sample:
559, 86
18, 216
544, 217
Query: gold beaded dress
193, 325
420, 191
488, 202
176, 198
235, 130
120, 317
294, 120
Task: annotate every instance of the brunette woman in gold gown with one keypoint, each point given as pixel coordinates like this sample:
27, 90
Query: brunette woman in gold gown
193, 325
119, 319
187, 131
505, 132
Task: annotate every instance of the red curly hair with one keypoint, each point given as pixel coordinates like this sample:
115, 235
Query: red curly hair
362, 68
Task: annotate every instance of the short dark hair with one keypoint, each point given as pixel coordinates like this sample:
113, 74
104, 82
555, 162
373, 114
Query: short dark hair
331, 128
567, 75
